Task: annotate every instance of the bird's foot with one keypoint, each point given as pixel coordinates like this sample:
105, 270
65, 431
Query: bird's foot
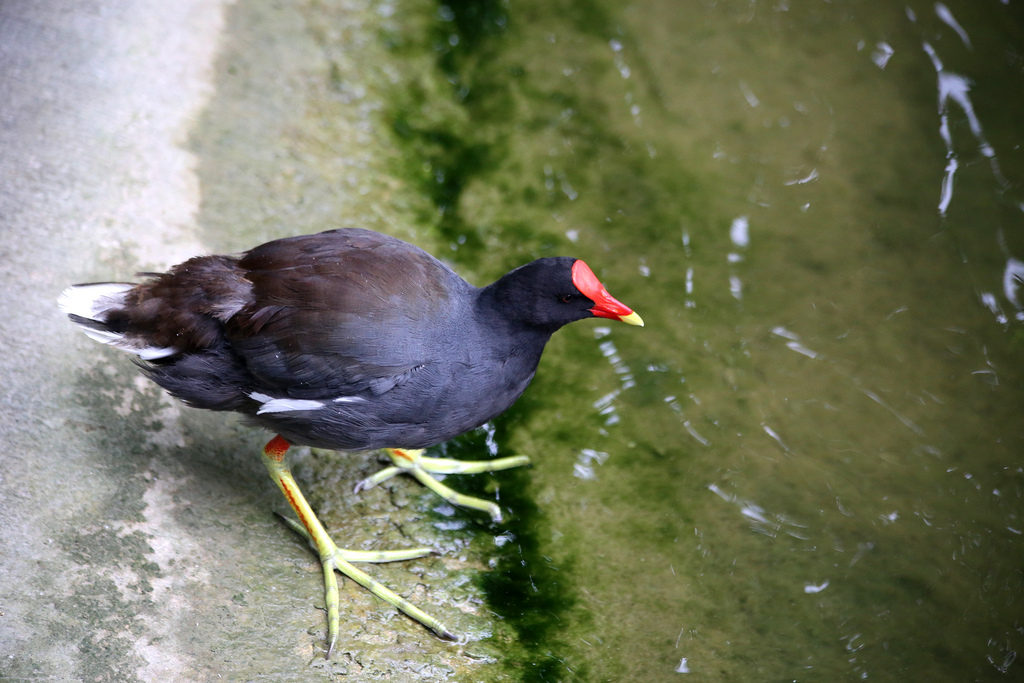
334, 558
413, 462
338, 559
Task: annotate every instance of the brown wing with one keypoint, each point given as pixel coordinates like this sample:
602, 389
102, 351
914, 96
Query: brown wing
340, 312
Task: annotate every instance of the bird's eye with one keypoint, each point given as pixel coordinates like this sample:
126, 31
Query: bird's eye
566, 298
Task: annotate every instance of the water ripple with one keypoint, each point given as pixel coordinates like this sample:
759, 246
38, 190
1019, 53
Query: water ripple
956, 88
761, 521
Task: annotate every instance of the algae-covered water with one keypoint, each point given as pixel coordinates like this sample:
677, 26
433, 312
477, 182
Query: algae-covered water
807, 466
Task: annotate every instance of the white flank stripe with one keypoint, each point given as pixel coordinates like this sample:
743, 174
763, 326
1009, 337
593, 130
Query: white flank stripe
283, 405
150, 352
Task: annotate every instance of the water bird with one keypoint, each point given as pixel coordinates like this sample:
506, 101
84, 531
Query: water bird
349, 340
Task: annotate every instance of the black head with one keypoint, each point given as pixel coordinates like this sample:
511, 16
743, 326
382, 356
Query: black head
551, 292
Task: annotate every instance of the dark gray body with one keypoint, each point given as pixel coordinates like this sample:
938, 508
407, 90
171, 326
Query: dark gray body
348, 339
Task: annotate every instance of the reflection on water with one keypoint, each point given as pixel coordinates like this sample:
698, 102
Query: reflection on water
739, 235
793, 341
761, 521
587, 463
806, 466
943, 13
820, 364
1013, 280
956, 88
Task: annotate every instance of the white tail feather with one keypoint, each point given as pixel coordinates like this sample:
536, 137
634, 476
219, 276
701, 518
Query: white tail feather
93, 302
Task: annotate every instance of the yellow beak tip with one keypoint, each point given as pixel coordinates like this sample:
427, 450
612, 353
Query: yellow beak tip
633, 319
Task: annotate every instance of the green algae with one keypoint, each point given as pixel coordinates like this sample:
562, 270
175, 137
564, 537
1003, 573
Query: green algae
757, 442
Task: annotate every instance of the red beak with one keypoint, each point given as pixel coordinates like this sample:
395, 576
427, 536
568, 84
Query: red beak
605, 305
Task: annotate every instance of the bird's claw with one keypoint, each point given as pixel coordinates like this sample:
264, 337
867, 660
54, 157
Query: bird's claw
422, 468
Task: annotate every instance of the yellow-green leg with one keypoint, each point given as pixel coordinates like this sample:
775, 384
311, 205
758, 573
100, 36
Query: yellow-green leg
334, 558
413, 462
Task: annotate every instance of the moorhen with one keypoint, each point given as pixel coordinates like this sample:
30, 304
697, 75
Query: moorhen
350, 340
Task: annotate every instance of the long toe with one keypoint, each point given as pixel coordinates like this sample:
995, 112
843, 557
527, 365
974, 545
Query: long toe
338, 563
413, 462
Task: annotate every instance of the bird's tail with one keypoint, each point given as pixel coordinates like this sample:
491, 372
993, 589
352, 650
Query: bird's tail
89, 306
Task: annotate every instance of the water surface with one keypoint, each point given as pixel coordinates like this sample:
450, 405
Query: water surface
808, 465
